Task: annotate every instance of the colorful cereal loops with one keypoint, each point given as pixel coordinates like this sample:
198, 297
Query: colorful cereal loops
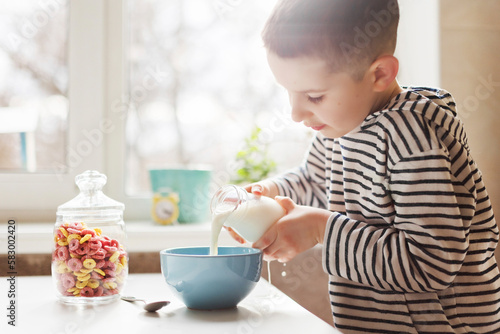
87, 292
62, 253
74, 264
87, 263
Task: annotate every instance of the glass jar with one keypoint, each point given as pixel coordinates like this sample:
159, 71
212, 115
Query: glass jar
89, 259
249, 215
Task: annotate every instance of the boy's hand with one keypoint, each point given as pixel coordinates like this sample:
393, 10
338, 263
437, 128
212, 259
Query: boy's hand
301, 228
234, 235
263, 188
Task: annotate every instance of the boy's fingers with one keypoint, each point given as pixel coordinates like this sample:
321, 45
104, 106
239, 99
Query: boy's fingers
257, 189
286, 203
235, 235
267, 239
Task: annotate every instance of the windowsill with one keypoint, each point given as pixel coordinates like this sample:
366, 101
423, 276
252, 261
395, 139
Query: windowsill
142, 236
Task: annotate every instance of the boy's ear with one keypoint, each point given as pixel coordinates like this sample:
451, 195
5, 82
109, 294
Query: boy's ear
384, 70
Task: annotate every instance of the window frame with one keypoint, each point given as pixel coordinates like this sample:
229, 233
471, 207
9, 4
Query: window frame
136, 207
34, 197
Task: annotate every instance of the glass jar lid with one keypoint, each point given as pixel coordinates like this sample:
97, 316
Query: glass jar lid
91, 197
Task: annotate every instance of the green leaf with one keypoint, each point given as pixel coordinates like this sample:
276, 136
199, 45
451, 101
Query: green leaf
256, 165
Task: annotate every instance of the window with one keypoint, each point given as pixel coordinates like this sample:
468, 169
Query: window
34, 196
33, 92
147, 83
198, 83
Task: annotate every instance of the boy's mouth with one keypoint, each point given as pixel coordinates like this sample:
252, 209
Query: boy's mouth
318, 128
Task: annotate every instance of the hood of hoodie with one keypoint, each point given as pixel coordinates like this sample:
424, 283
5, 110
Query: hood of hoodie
434, 104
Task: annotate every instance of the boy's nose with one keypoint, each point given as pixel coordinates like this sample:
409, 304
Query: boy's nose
299, 112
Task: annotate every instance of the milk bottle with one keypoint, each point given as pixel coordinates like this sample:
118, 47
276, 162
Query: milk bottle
249, 215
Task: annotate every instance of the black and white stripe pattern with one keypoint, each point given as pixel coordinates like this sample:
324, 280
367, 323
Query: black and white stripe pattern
410, 244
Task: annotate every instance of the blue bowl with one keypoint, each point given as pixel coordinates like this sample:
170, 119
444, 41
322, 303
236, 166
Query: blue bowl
208, 282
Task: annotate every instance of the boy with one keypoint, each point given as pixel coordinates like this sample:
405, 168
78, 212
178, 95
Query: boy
388, 187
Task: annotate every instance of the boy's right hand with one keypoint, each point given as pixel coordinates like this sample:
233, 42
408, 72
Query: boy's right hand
301, 228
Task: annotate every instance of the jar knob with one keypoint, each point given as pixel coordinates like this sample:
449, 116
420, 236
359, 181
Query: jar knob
90, 182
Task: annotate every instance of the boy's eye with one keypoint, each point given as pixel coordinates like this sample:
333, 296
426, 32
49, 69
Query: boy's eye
315, 99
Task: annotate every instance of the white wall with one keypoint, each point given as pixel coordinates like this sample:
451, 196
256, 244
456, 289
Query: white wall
418, 43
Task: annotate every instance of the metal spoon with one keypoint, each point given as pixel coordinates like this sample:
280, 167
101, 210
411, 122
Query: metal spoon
149, 307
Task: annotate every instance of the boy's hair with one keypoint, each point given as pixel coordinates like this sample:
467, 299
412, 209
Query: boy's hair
348, 34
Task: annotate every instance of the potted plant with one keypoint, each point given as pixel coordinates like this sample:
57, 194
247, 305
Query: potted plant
253, 160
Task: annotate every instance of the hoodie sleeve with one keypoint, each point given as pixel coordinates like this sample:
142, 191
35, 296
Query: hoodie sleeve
423, 248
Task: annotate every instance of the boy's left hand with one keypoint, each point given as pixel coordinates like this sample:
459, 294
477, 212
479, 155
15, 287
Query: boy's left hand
301, 228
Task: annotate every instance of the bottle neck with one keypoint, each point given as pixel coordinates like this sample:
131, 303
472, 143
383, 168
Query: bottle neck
228, 199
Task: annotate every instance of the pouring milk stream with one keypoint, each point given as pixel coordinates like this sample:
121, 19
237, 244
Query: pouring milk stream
249, 215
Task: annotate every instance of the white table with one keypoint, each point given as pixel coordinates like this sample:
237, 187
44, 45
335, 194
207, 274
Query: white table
265, 310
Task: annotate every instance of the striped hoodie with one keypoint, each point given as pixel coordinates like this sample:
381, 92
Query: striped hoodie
409, 247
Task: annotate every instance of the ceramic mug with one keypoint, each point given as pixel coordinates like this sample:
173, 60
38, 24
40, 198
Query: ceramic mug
192, 186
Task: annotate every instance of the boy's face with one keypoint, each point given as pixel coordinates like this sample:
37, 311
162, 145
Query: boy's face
332, 103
